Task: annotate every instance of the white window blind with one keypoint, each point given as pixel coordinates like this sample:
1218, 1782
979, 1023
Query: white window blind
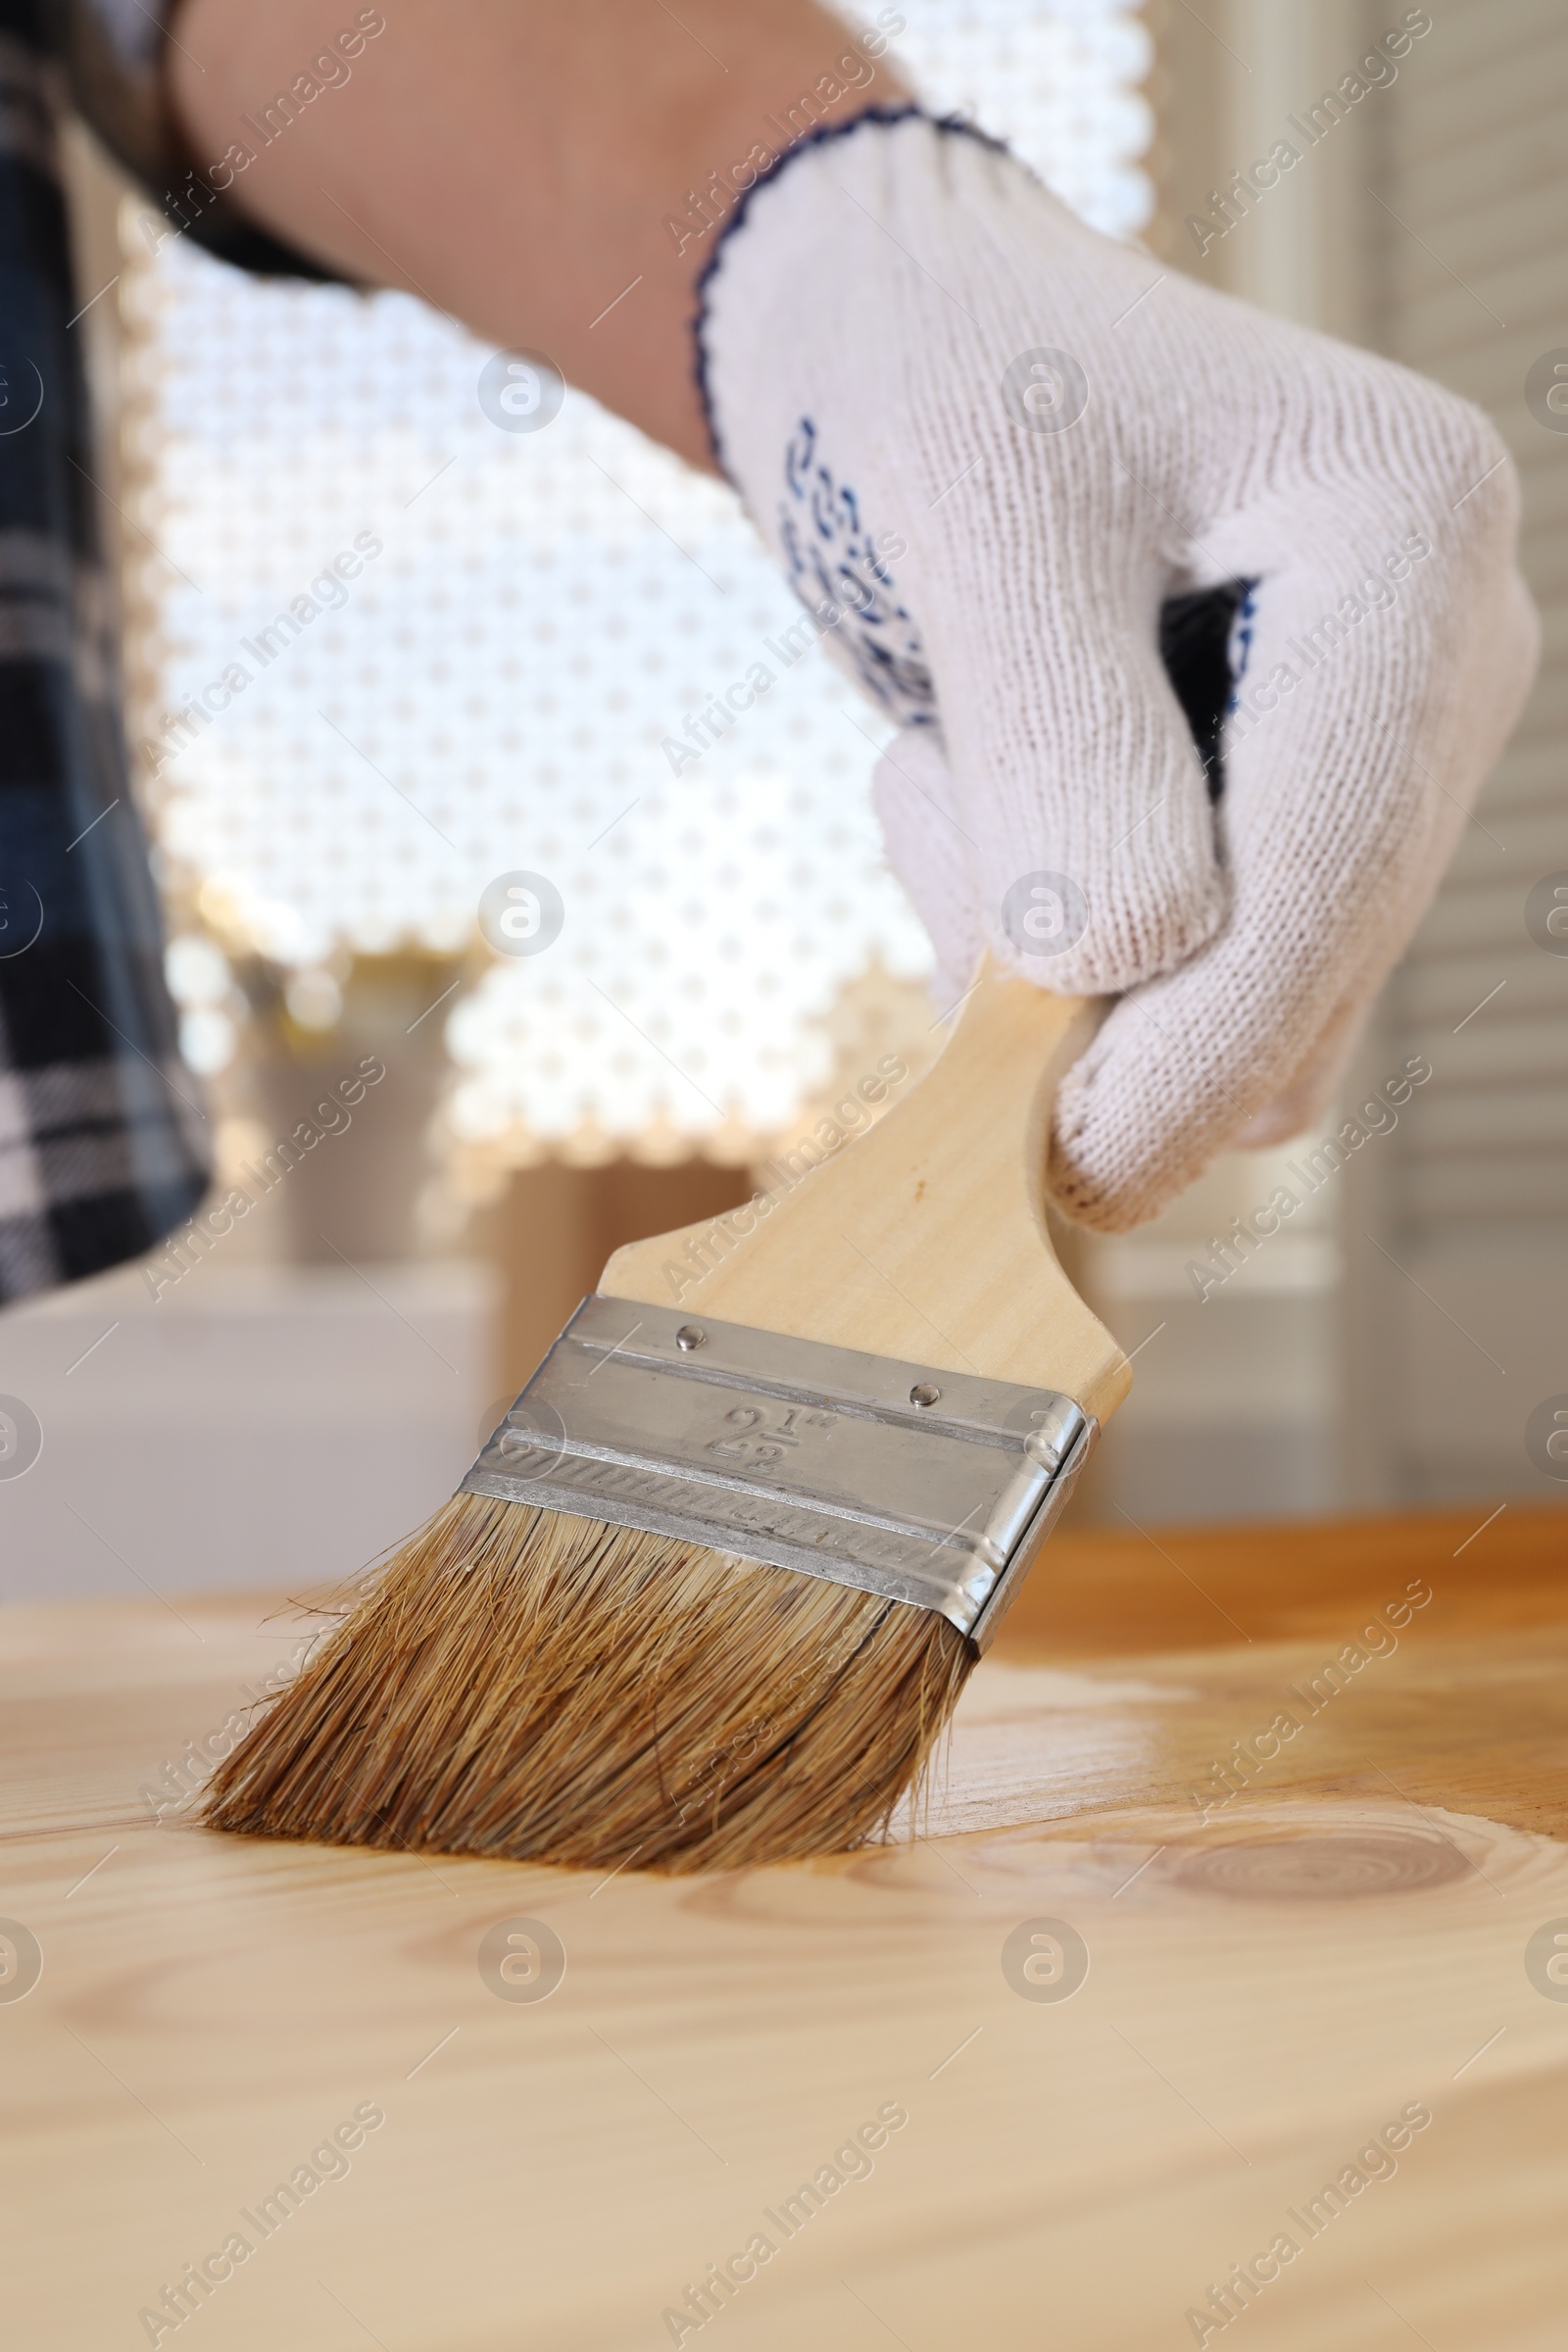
1468, 240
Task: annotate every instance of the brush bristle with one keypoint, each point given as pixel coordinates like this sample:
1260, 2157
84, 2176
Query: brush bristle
527, 1684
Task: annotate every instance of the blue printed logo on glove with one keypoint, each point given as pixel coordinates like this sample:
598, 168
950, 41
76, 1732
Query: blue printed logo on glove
840, 572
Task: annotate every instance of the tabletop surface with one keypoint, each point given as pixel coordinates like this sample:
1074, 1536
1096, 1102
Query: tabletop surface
1230, 1961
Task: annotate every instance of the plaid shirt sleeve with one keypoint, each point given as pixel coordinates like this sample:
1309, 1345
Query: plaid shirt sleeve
103, 1135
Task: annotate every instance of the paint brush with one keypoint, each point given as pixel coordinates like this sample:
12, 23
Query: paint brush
710, 1592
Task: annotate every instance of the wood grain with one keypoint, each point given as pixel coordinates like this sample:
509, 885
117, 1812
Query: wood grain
926, 1239
1269, 1984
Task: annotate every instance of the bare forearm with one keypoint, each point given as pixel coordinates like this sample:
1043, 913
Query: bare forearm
519, 161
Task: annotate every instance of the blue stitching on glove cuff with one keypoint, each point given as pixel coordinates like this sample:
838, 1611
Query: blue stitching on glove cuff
818, 136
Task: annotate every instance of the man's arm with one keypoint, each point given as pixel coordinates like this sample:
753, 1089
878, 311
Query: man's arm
518, 161
986, 445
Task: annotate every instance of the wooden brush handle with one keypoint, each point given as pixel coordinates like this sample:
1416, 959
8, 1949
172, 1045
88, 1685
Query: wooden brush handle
926, 1239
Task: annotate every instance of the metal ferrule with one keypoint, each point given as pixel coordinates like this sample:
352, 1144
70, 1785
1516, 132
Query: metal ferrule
930, 1486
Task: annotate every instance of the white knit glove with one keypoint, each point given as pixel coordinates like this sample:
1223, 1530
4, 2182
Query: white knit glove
997, 441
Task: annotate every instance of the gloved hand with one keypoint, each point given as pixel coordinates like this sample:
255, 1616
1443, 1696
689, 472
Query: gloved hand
998, 442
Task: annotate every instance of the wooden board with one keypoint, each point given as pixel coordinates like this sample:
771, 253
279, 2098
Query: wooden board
1270, 1984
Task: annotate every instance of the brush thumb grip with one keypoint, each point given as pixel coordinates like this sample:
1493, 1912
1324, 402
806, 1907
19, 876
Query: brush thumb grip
925, 1239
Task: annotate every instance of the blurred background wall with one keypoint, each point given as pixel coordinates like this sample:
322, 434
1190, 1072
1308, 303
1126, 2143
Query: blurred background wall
303, 1389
